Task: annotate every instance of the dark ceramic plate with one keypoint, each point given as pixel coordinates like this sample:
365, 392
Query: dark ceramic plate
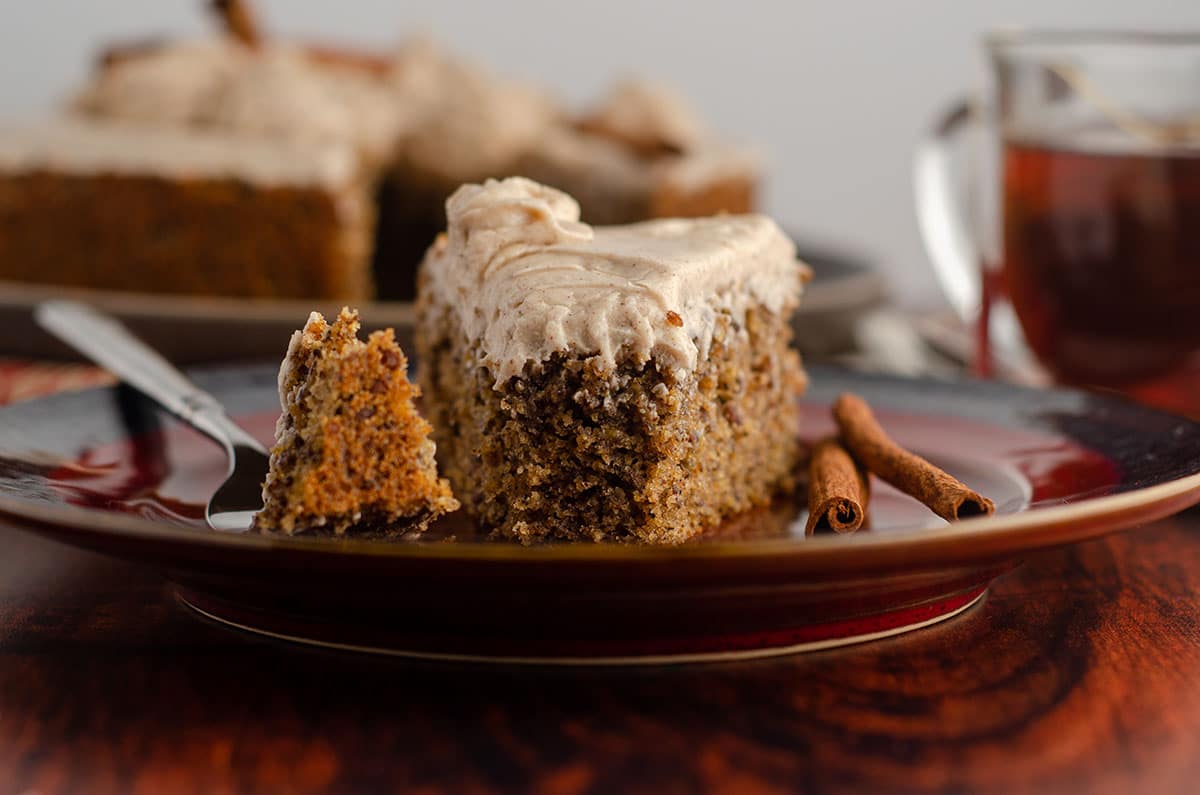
191, 330
105, 470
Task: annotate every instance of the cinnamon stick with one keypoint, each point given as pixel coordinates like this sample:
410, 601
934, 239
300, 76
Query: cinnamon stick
946, 496
837, 489
238, 20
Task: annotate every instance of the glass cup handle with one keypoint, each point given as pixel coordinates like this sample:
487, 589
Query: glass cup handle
948, 240
956, 257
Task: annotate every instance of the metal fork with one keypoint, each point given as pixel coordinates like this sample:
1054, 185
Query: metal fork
109, 344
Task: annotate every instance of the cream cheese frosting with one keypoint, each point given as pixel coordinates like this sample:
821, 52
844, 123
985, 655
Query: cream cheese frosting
92, 147
528, 280
585, 159
223, 85
641, 141
465, 122
167, 85
648, 114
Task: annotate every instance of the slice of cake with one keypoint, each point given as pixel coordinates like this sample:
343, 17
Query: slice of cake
351, 452
630, 383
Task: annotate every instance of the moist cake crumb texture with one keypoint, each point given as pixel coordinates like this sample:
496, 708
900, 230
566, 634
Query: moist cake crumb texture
630, 384
351, 452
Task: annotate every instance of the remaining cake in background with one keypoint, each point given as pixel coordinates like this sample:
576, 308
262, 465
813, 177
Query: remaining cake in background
413, 125
102, 204
203, 167
629, 383
643, 154
351, 452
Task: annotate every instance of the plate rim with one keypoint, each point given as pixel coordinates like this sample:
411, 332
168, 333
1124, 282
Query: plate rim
964, 542
968, 541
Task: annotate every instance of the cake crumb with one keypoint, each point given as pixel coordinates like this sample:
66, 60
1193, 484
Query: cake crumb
351, 452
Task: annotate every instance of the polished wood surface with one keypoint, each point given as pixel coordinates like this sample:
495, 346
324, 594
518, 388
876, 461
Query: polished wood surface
1081, 672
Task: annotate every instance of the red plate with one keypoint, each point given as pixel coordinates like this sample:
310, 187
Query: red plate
103, 469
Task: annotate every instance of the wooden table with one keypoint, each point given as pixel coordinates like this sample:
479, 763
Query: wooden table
1081, 672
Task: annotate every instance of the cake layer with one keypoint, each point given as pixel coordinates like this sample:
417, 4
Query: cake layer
528, 280
201, 231
573, 454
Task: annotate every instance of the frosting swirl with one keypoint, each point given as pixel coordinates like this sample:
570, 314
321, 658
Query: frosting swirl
465, 122
222, 85
649, 117
528, 280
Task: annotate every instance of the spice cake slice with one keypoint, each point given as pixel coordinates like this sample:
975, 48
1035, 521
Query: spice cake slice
351, 452
630, 383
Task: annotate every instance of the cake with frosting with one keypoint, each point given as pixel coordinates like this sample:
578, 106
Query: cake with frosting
91, 203
419, 127
623, 383
351, 453
407, 130
204, 168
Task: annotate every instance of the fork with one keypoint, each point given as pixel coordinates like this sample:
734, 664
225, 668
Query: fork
109, 344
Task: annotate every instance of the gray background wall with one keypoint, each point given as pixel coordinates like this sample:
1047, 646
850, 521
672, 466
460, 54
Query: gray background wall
834, 93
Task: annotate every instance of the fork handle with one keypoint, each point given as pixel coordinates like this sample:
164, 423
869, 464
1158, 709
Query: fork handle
103, 340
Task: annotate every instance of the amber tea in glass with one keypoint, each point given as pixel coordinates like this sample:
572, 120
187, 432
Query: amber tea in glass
1096, 219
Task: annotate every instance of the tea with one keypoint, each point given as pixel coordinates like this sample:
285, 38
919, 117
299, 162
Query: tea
1102, 257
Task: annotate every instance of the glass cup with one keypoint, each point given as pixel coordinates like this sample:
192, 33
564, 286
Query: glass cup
1077, 227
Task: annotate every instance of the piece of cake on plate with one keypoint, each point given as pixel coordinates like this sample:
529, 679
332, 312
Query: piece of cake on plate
627, 383
351, 452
